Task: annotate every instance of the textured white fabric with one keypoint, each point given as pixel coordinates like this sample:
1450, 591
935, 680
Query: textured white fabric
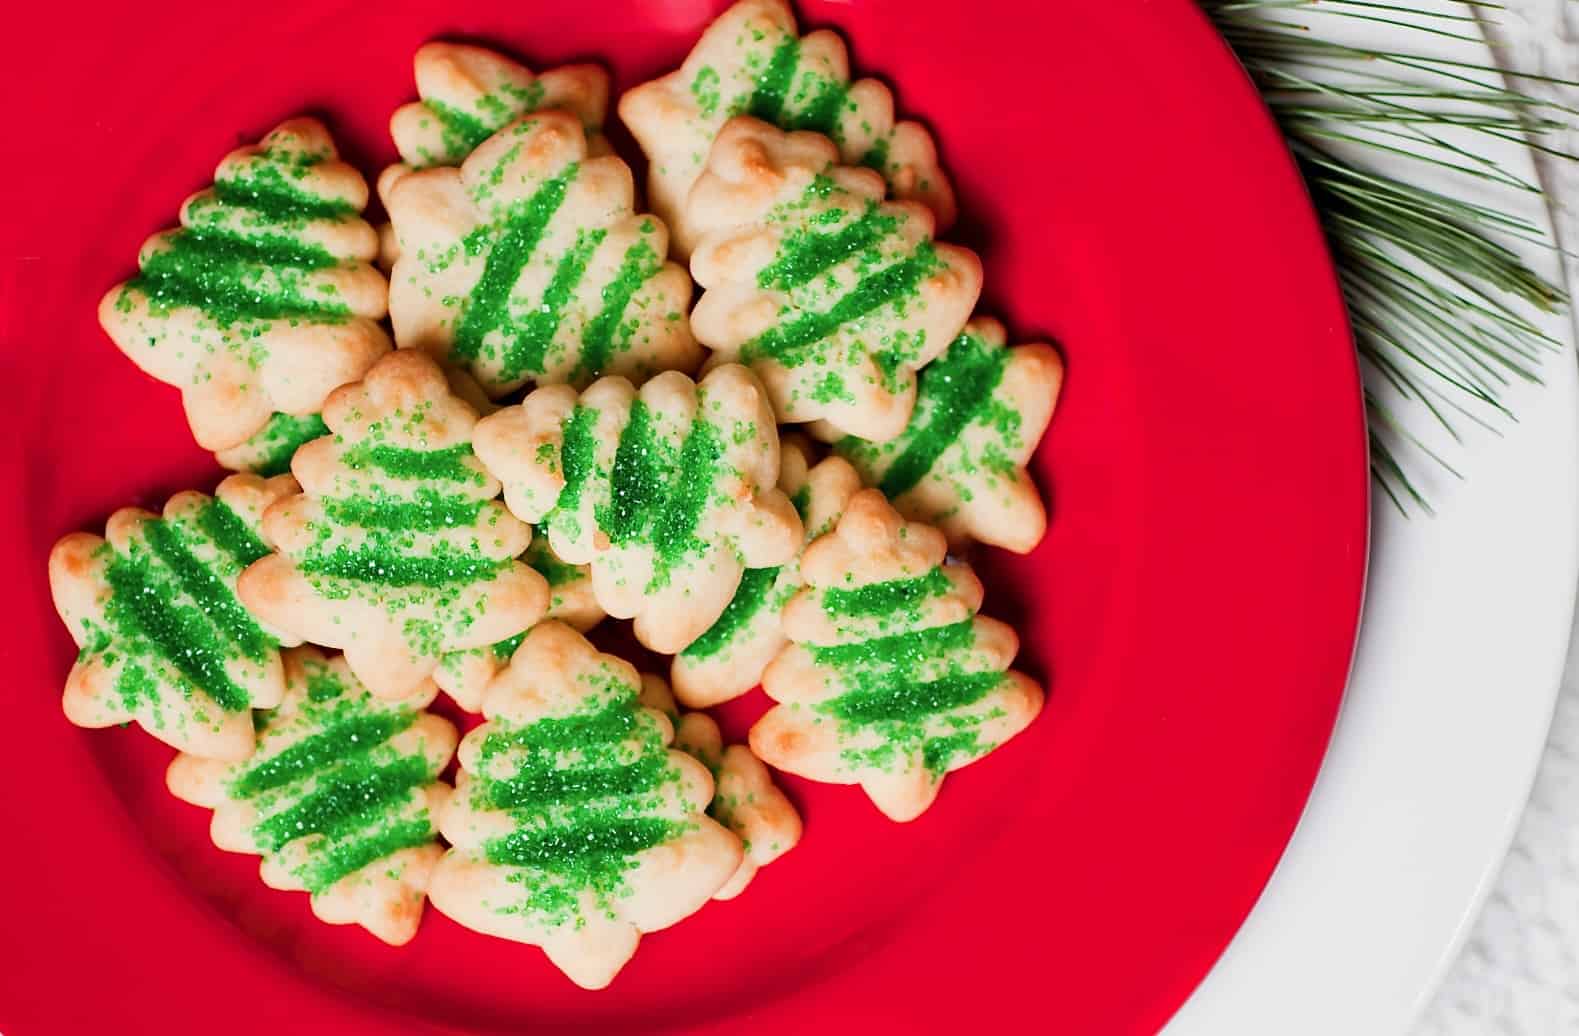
1519, 972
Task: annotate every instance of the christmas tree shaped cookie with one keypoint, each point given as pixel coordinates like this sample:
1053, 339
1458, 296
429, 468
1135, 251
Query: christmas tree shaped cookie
464, 675
893, 680
833, 296
163, 639
269, 452
981, 409
341, 800
530, 263
727, 660
469, 93
667, 492
264, 300
752, 61
575, 827
745, 799
395, 551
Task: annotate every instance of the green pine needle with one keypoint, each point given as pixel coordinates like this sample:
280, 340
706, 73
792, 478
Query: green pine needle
1432, 288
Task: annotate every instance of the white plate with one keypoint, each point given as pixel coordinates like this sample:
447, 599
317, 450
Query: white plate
1461, 650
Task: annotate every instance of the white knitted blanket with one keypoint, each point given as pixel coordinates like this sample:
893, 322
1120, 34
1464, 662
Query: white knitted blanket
1519, 972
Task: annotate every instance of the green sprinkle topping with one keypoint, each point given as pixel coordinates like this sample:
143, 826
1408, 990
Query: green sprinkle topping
822, 114
787, 343
908, 701
900, 652
329, 865
230, 534
549, 785
506, 648
577, 456
598, 341
804, 253
233, 278
523, 229
883, 598
593, 847
378, 564
751, 598
675, 534
273, 448
144, 612
429, 510
446, 465
640, 479
528, 348
267, 191
462, 131
355, 735
952, 393
555, 572
340, 806
705, 89
767, 100
216, 600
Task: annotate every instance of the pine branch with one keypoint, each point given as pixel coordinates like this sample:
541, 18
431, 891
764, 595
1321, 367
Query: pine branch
1433, 289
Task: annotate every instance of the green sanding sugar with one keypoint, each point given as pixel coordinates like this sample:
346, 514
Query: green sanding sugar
442, 465
751, 598
377, 564
884, 598
335, 808
356, 734
144, 612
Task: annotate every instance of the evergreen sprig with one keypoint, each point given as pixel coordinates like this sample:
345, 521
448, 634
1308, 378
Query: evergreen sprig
1433, 286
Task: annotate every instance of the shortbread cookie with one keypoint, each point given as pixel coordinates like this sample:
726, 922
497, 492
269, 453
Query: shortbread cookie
469, 93
265, 300
395, 551
981, 409
575, 827
530, 263
464, 675
341, 800
164, 640
893, 680
752, 61
832, 295
745, 799
727, 660
668, 493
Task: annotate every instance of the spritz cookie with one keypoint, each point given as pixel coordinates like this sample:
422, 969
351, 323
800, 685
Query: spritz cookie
164, 640
833, 296
667, 492
529, 263
981, 410
893, 680
575, 827
752, 61
265, 299
341, 799
745, 799
727, 660
395, 551
468, 93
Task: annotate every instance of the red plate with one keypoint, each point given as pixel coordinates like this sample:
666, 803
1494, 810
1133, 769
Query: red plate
1193, 608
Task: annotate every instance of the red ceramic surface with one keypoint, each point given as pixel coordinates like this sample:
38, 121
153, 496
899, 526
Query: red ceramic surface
1193, 607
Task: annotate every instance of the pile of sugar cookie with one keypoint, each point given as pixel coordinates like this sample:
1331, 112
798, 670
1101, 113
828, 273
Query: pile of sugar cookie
774, 484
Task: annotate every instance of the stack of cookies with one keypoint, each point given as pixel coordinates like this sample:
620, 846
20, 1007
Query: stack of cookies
773, 483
